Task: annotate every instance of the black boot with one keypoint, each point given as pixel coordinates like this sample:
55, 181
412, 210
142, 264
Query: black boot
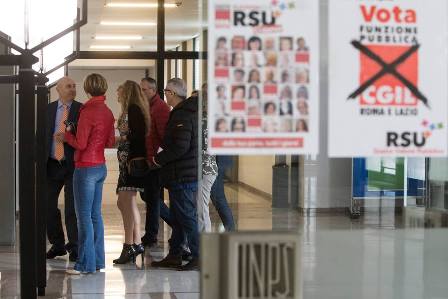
192, 265
139, 249
127, 255
170, 261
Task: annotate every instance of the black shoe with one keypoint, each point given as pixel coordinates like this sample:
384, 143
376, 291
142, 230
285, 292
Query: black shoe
186, 256
55, 251
139, 249
73, 253
127, 255
192, 265
73, 256
170, 261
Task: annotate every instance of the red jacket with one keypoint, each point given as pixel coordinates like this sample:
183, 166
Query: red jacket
160, 112
95, 132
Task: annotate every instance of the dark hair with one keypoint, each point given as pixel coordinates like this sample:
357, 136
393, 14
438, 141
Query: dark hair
266, 106
254, 39
235, 88
285, 75
288, 92
221, 39
150, 80
254, 71
218, 122
305, 125
234, 55
256, 89
234, 121
239, 71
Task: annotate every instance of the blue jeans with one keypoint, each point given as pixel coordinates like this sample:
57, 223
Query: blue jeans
88, 192
184, 218
219, 200
155, 207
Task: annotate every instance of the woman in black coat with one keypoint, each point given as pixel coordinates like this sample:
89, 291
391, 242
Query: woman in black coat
133, 126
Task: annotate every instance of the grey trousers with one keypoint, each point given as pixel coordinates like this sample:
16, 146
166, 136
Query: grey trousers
203, 198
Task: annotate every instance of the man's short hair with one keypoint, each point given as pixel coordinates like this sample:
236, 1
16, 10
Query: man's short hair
151, 81
178, 86
95, 85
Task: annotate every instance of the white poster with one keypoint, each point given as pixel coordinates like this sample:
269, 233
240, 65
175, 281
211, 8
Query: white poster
263, 76
388, 78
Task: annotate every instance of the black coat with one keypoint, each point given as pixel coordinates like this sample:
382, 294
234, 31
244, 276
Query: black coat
50, 129
137, 132
179, 157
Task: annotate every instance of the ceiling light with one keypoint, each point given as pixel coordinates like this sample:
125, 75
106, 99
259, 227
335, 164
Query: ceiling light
109, 47
118, 37
138, 5
115, 23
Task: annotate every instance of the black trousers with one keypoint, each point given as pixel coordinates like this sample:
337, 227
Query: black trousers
59, 175
155, 207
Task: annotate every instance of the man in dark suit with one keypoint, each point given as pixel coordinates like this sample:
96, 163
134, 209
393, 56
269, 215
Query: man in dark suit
60, 168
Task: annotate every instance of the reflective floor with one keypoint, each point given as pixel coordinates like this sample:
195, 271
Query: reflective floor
380, 255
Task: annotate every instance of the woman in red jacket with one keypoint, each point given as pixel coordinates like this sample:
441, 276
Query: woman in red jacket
95, 132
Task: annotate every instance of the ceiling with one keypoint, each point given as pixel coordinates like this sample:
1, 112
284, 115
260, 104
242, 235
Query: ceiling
182, 23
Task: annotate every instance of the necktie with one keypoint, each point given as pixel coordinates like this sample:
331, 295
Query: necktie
59, 146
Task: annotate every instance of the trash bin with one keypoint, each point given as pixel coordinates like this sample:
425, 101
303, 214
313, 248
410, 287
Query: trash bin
243, 265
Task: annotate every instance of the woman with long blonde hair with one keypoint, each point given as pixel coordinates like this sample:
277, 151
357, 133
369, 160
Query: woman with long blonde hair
133, 125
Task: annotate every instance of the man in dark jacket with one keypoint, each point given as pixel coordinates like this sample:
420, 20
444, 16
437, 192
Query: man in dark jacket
60, 168
155, 207
179, 174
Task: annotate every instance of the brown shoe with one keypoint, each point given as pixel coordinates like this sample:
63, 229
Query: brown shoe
170, 261
192, 265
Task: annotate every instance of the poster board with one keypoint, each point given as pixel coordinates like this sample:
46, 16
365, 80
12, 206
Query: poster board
263, 77
388, 74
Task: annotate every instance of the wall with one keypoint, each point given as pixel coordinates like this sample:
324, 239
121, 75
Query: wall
7, 160
256, 171
114, 78
190, 68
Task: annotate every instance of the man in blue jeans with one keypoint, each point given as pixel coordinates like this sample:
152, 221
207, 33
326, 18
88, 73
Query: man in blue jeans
218, 196
179, 174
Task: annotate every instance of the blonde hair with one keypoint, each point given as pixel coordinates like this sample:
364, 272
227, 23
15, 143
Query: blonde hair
131, 93
95, 85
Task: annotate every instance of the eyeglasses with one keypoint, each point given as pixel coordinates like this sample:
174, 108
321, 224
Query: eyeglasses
169, 90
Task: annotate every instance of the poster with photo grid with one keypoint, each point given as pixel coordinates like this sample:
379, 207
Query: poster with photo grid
263, 76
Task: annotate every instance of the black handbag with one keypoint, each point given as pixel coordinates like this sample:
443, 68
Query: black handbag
138, 167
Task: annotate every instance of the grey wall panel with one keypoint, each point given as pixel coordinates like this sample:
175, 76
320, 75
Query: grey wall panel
114, 77
7, 158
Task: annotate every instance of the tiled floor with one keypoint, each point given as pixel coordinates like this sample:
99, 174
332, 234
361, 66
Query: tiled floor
381, 255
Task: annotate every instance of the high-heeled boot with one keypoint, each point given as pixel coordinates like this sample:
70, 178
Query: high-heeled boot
139, 249
127, 255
